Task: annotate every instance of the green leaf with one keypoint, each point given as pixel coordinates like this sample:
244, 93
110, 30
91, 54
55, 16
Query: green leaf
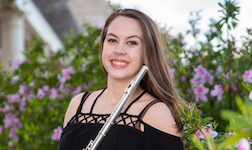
206, 120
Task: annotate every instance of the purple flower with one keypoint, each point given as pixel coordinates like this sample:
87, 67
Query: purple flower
196, 81
56, 133
61, 79
10, 143
84, 67
22, 104
218, 91
200, 71
31, 84
101, 26
8, 120
183, 79
227, 75
46, 88
66, 74
76, 91
1, 129
208, 77
41, 94
171, 72
15, 79
53, 93
71, 70
85, 86
247, 76
243, 144
23, 89
201, 93
17, 123
13, 134
250, 95
6, 108
15, 98
15, 63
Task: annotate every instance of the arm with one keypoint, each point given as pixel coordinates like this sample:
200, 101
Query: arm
72, 108
160, 117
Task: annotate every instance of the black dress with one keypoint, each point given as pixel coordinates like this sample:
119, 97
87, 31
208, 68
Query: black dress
124, 135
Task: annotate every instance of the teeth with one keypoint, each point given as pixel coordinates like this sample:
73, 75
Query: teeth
119, 63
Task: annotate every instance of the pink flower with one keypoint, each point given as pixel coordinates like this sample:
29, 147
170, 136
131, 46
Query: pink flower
183, 79
71, 70
66, 74
15, 63
208, 77
250, 95
84, 67
13, 134
61, 79
218, 91
6, 108
17, 123
196, 81
200, 71
171, 72
23, 89
101, 26
227, 75
1, 129
15, 79
31, 84
53, 93
77, 91
15, 98
243, 144
22, 104
247, 76
10, 143
46, 88
40, 94
57, 133
8, 120
201, 93
85, 86
206, 131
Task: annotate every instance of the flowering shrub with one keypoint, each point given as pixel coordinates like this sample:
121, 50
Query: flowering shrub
35, 95
216, 78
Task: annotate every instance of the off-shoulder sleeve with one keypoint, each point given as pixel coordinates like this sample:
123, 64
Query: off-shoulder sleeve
158, 140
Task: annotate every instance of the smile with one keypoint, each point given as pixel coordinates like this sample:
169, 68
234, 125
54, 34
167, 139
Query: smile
119, 63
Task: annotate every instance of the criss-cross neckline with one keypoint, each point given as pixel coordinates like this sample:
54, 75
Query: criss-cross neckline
92, 107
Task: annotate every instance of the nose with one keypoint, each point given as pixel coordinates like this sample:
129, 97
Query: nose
120, 49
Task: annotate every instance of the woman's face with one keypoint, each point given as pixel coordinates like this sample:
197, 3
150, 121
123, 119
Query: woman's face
122, 55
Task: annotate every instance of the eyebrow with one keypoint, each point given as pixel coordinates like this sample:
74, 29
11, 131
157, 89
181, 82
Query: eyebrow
128, 37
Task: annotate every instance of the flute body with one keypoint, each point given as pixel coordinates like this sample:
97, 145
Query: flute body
93, 144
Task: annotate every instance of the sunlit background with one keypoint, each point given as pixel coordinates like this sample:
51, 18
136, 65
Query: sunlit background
175, 13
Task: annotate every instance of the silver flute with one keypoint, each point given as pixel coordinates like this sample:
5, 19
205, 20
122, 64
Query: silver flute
93, 144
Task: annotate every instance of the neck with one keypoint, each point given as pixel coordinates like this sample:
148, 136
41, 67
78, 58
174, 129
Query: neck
116, 91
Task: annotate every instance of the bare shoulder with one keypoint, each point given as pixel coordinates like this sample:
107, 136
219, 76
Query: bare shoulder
72, 108
74, 104
160, 117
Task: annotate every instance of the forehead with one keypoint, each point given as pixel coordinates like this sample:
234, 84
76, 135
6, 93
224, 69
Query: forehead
125, 26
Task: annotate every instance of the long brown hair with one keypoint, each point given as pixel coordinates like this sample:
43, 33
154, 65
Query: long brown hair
158, 81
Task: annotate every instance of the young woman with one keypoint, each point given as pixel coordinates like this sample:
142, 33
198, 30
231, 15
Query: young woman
129, 40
